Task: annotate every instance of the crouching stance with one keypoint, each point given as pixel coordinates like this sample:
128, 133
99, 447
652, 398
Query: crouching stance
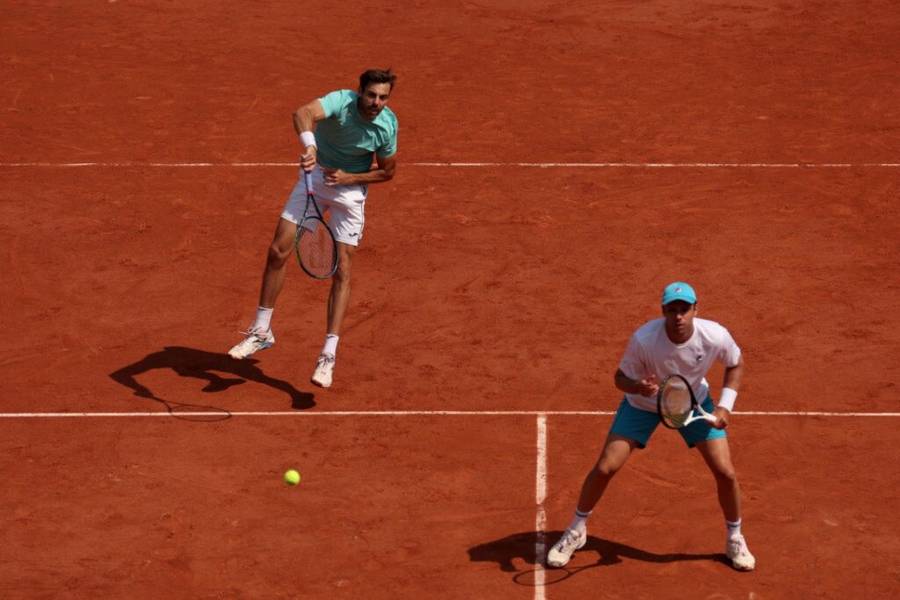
677, 343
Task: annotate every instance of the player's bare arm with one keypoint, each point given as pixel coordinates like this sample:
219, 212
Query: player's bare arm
383, 171
644, 387
732, 379
733, 375
305, 119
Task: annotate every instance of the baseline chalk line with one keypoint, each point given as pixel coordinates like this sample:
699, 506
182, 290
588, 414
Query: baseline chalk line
439, 164
405, 413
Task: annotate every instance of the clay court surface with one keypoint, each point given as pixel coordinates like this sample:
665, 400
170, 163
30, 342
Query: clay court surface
559, 163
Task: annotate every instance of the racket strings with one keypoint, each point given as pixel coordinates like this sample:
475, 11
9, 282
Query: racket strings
675, 404
316, 248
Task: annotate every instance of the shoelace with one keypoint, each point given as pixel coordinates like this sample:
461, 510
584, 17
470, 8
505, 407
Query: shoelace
257, 334
738, 547
570, 539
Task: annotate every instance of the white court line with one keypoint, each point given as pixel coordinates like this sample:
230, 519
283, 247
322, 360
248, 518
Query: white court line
540, 494
403, 413
148, 164
540, 165
657, 165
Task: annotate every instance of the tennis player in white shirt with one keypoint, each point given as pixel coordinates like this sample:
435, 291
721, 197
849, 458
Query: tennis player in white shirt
676, 343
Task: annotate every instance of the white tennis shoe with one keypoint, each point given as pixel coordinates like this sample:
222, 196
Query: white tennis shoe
739, 554
324, 372
563, 550
255, 341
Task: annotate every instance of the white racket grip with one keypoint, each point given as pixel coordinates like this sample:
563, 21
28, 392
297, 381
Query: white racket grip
704, 414
307, 177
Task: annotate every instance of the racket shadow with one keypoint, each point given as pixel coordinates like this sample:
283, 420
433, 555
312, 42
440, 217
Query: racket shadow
520, 548
206, 366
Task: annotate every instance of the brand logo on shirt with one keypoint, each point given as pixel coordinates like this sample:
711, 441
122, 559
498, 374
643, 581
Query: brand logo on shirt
699, 358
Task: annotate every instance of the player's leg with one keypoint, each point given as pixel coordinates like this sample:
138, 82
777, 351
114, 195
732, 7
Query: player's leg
718, 458
339, 297
259, 334
338, 300
279, 251
630, 429
615, 452
717, 455
347, 219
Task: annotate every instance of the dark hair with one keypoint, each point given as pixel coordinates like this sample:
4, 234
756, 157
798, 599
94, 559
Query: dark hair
377, 76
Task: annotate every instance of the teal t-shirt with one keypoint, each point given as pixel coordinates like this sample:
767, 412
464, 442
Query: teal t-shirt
347, 141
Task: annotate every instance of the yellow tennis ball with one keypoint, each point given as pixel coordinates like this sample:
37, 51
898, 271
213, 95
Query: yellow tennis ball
291, 477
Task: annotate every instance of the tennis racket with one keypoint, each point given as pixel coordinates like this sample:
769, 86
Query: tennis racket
314, 244
676, 404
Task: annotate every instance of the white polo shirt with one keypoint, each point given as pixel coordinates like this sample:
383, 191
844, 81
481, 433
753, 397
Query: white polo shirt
651, 352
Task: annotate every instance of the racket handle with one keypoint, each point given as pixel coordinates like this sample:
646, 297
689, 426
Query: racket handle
307, 176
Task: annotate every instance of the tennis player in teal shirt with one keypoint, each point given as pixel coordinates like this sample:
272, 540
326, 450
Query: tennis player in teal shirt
349, 140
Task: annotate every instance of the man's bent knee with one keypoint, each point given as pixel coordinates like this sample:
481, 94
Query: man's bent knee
723, 470
342, 274
725, 474
345, 263
615, 453
277, 255
606, 469
609, 465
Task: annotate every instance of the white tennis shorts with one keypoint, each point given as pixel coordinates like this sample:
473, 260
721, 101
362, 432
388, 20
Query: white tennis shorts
345, 205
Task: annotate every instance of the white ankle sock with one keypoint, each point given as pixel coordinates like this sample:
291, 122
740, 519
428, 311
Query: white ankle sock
331, 342
579, 523
263, 319
734, 528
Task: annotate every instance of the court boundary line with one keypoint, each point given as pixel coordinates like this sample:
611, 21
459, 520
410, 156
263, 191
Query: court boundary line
407, 413
540, 495
453, 164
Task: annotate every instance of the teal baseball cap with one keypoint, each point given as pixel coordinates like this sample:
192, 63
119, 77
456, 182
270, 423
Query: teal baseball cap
679, 290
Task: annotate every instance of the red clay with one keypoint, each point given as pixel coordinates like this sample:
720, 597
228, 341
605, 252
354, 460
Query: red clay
489, 288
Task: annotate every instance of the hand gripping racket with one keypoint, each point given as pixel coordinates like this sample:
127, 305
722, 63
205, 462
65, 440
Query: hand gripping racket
676, 404
314, 244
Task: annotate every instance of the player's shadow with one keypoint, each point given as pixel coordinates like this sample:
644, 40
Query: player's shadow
520, 547
199, 364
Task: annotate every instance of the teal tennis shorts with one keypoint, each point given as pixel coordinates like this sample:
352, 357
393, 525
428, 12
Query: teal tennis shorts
638, 425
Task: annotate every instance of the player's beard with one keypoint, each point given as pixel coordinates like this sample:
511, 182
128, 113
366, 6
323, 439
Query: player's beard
369, 111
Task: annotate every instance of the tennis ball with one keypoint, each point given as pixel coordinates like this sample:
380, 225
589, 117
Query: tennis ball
291, 477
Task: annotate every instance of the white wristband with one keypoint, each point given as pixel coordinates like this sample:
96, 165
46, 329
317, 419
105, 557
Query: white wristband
727, 399
308, 138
